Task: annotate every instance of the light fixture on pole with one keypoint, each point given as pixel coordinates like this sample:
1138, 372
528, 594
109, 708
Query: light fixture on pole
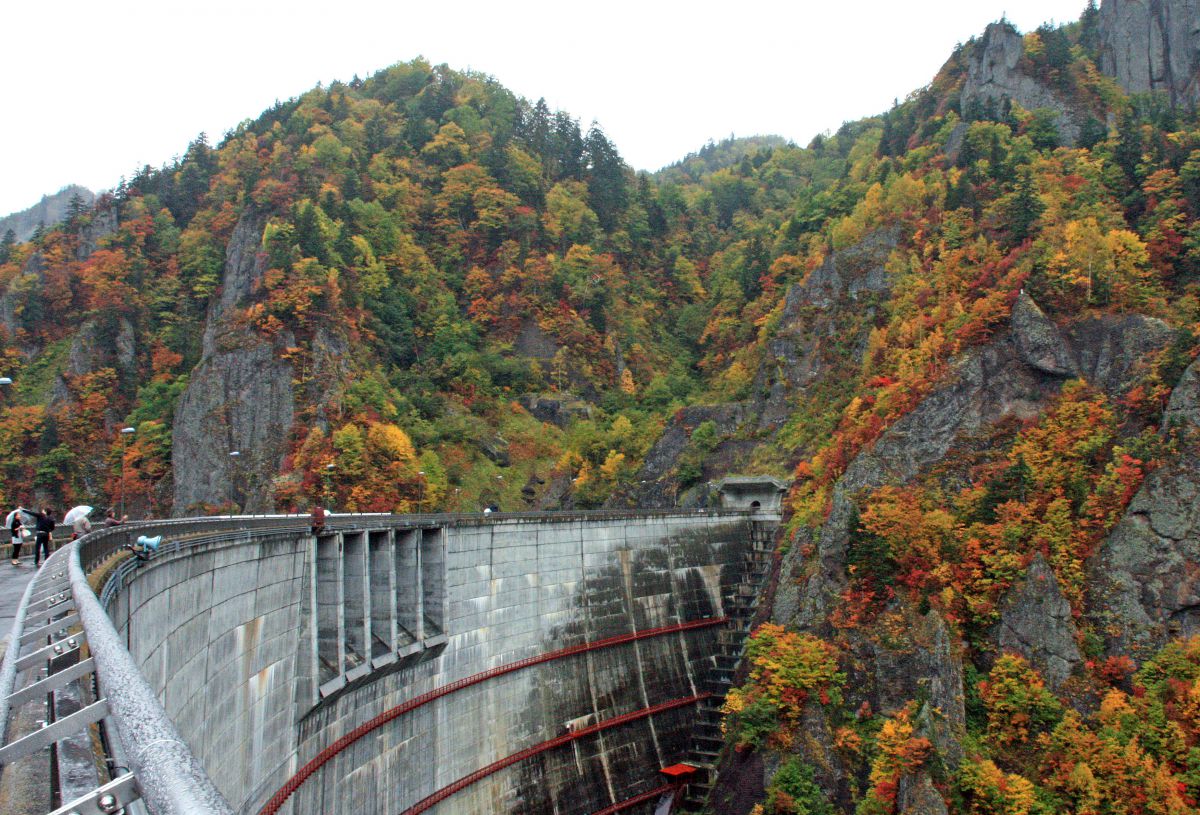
421, 494
125, 432
4, 380
329, 468
233, 457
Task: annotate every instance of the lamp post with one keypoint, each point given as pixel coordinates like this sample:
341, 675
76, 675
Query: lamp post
329, 468
5, 381
125, 433
233, 457
421, 494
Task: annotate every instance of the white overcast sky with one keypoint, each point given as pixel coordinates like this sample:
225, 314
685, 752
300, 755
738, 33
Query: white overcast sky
93, 90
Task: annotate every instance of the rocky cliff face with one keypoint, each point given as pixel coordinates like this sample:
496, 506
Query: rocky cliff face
99, 344
1036, 623
660, 486
103, 222
926, 664
850, 279
994, 74
1014, 376
1038, 341
1153, 45
986, 386
1146, 577
238, 398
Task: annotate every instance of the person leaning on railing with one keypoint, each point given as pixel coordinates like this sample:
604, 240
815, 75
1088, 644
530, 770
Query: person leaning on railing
44, 533
110, 518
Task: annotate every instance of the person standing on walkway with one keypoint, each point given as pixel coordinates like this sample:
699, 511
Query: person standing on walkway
44, 534
16, 529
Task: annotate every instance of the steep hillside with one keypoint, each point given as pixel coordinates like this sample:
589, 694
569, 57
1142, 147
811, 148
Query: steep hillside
415, 291
966, 328
990, 565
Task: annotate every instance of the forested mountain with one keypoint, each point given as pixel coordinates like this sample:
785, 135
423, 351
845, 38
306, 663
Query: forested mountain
966, 328
717, 156
48, 212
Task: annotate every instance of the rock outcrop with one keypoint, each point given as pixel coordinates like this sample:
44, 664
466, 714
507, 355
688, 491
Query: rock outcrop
812, 316
101, 342
558, 409
916, 795
239, 397
994, 74
1038, 341
1110, 349
90, 350
659, 488
101, 224
1183, 409
1153, 45
1145, 578
1036, 622
535, 343
925, 664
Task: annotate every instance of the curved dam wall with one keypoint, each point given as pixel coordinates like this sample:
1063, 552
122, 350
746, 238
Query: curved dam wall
266, 650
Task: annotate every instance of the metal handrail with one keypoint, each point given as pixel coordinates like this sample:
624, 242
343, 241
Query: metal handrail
171, 779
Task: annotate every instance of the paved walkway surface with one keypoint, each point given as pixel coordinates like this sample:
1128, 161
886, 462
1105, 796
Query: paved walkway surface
25, 787
13, 580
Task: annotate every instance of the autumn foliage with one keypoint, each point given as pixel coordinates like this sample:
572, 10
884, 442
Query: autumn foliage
788, 670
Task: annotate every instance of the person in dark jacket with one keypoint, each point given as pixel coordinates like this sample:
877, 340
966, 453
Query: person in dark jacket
16, 529
43, 534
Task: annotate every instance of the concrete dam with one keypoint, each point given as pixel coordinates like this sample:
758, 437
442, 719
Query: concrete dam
448, 664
